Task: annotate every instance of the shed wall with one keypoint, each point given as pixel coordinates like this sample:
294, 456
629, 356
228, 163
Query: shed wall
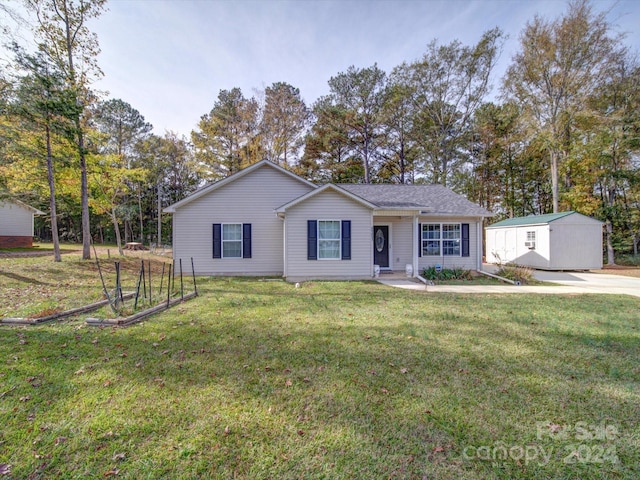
15, 220
576, 246
573, 242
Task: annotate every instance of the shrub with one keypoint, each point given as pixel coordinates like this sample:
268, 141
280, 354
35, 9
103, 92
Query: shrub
430, 273
628, 260
517, 273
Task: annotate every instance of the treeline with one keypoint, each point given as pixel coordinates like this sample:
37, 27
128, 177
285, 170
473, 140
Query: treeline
563, 133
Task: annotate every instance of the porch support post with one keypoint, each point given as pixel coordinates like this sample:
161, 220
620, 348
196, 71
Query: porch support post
415, 245
480, 243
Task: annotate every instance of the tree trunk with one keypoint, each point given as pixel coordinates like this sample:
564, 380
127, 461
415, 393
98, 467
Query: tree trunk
610, 253
140, 214
554, 180
84, 193
159, 238
52, 200
116, 229
84, 185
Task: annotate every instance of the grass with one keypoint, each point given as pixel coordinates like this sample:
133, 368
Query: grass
331, 380
36, 286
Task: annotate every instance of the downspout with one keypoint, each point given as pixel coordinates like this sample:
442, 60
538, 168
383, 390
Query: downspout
284, 244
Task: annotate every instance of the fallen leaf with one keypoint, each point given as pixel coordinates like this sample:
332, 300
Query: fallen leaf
119, 456
288, 383
107, 383
79, 372
60, 440
438, 449
112, 472
5, 469
301, 433
26, 398
403, 370
227, 430
384, 390
554, 427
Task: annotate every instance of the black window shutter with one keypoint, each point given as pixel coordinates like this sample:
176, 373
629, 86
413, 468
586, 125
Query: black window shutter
465, 239
217, 240
246, 240
346, 239
312, 240
419, 239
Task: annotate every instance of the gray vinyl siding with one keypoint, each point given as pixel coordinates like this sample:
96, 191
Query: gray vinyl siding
329, 205
249, 199
468, 263
15, 220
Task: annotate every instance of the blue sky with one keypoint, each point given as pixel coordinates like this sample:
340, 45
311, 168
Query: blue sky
170, 58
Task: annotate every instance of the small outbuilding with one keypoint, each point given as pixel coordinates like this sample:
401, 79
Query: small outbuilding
16, 224
555, 241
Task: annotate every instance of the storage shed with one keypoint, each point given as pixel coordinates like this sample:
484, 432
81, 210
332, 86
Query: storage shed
555, 241
16, 224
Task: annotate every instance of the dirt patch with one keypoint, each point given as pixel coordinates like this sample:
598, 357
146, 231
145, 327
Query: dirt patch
32, 253
623, 270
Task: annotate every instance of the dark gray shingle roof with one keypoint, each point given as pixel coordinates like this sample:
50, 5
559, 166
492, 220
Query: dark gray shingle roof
435, 199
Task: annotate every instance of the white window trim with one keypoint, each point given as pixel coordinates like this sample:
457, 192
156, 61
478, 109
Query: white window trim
440, 240
222, 240
339, 257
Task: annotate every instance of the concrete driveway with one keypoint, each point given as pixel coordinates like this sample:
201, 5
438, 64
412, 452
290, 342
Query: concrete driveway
566, 283
592, 282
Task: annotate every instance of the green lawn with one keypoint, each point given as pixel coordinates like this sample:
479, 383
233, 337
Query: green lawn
331, 380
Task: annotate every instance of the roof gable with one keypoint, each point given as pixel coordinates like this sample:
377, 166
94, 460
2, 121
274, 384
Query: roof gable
20, 204
536, 219
328, 186
247, 171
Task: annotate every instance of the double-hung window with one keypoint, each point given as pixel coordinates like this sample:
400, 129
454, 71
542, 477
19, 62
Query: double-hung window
441, 239
231, 240
329, 239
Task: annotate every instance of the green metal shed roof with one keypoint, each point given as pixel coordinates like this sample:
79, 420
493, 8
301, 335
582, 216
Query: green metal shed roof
531, 220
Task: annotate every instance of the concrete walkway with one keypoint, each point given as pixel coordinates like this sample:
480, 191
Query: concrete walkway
565, 283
